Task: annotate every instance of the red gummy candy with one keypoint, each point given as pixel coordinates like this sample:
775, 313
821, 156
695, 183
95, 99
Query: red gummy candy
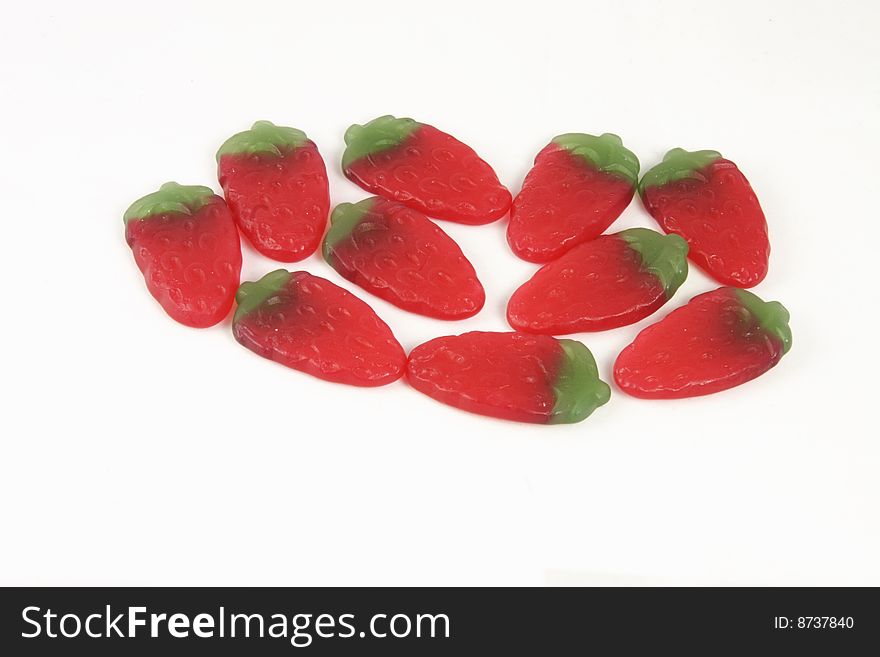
276, 186
718, 340
425, 169
400, 255
185, 242
708, 201
513, 376
310, 324
611, 281
578, 186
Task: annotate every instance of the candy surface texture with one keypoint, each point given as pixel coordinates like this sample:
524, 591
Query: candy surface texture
708, 201
400, 255
425, 169
608, 282
577, 187
514, 376
186, 245
718, 340
309, 324
276, 185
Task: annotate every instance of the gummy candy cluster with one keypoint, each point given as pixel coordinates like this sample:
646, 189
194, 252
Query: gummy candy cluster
186, 241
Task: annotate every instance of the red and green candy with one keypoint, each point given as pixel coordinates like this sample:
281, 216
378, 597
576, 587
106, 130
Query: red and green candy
718, 340
577, 187
608, 282
276, 185
707, 200
186, 245
513, 376
309, 324
400, 255
426, 169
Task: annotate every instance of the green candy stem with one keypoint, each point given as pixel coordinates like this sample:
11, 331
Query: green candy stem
171, 197
578, 389
343, 220
253, 294
664, 256
771, 316
678, 164
263, 137
378, 135
605, 152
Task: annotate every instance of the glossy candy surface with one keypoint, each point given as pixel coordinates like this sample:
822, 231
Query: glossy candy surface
608, 282
425, 169
577, 187
185, 243
718, 340
708, 201
513, 376
400, 255
276, 185
310, 324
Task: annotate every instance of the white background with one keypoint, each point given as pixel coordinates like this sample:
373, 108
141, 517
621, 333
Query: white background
139, 451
